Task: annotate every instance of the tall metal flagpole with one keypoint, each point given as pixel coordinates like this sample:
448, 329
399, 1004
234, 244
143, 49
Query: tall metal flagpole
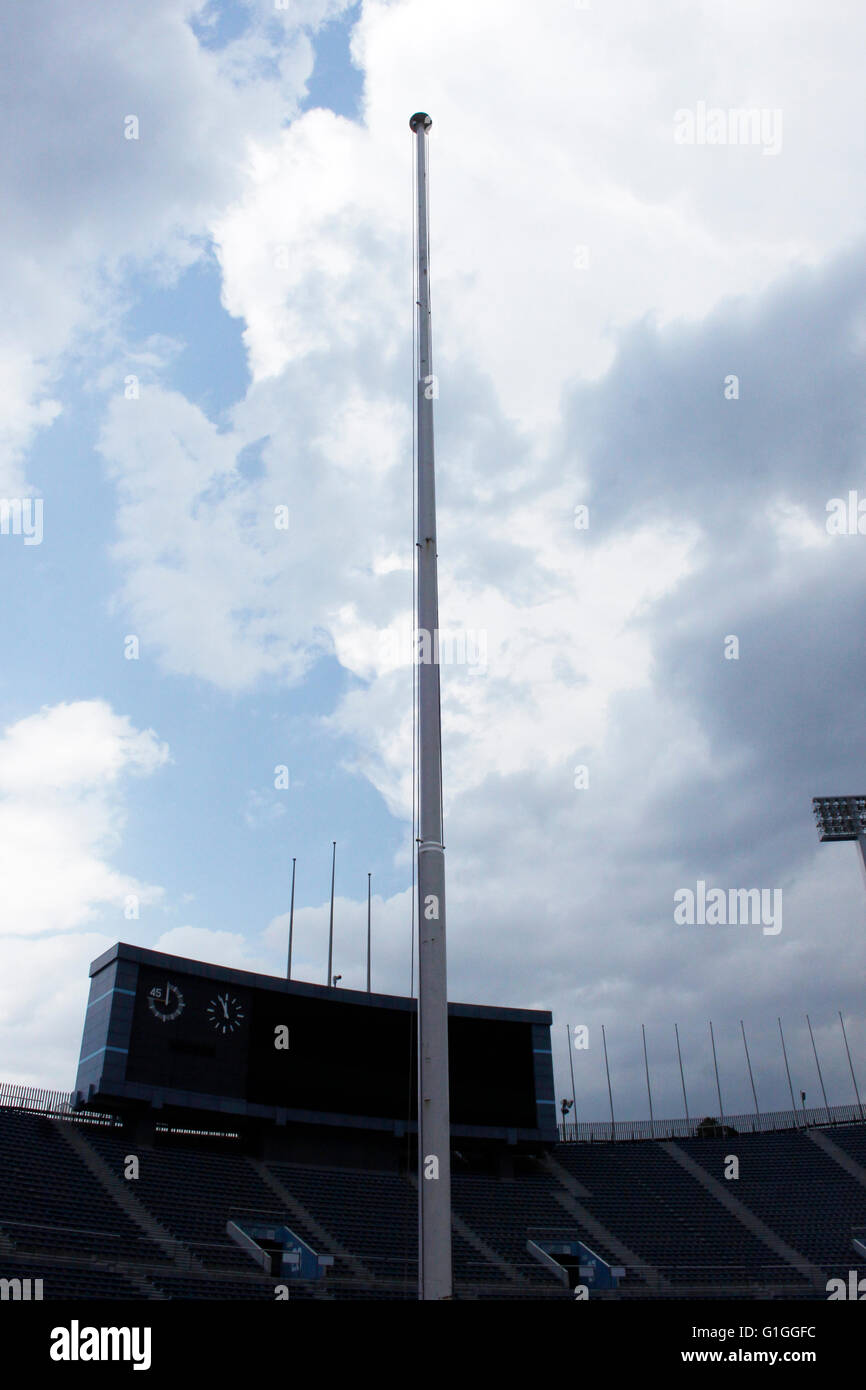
369, 878
434, 1125
329, 981
291, 923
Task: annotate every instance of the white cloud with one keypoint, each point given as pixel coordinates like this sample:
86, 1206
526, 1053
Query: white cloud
61, 815
43, 997
548, 135
201, 549
61, 823
83, 204
73, 748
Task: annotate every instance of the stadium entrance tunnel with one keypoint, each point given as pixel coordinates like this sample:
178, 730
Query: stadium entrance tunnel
281, 1253
574, 1263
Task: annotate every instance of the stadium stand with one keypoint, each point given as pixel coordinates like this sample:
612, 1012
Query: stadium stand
792, 1186
70, 1218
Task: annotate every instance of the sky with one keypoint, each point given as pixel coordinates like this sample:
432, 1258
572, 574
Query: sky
649, 332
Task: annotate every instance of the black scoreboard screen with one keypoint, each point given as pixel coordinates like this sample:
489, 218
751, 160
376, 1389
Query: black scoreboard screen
186, 1032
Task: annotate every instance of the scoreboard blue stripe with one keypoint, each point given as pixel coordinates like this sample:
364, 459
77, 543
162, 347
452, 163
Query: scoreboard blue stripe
107, 1048
109, 992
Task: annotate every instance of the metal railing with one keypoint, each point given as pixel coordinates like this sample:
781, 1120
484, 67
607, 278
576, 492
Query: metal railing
55, 1103
45, 1102
600, 1131
33, 1098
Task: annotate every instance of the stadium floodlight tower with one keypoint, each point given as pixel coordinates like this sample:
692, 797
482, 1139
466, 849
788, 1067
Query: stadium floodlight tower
842, 818
434, 1121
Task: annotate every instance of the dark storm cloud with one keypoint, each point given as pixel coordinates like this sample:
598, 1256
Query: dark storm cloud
782, 723
660, 436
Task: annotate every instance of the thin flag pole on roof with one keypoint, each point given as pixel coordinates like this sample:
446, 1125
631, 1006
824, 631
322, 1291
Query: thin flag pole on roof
851, 1064
573, 1092
291, 923
788, 1074
329, 981
369, 881
682, 1075
648, 1091
609, 1088
716, 1065
751, 1077
818, 1065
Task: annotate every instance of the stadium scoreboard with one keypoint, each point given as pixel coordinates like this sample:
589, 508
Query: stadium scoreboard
179, 1033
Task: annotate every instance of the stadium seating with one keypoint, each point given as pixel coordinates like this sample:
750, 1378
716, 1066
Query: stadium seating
795, 1189
69, 1216
51, 1205
663, 1215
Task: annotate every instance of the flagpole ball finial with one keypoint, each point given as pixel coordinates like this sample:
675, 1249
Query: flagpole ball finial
420, 118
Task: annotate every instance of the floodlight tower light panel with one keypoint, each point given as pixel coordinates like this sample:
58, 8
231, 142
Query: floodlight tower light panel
840, 817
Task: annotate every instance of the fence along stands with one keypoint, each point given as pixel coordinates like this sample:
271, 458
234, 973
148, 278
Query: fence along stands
586, 1131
